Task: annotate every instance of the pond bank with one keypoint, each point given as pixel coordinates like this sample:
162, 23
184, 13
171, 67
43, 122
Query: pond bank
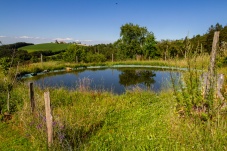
65, 69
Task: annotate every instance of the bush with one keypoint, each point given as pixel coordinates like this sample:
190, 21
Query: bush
95, 58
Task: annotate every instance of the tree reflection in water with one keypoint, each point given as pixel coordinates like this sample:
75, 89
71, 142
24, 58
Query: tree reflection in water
135, 77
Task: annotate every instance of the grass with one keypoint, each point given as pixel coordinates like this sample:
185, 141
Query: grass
56, 65
11, 138
139, 120
92, 120
45, 47
99, 121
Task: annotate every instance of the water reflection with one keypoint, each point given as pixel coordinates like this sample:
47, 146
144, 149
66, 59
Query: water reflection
114, 80
134, 77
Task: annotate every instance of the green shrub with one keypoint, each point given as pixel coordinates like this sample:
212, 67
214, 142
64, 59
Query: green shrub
95, 57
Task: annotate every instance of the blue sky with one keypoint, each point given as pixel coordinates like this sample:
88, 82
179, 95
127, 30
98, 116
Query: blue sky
99, 21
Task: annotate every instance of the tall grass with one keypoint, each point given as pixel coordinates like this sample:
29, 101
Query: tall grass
203, 118
97, 121
58, 65
137, 120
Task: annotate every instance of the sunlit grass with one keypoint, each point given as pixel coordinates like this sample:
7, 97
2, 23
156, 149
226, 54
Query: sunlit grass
136, 120
202, 63
85, 119
45, 47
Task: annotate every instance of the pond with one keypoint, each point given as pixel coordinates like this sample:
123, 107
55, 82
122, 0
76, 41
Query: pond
115, 80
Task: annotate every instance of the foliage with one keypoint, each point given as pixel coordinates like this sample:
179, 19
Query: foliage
106, 49
8, 50
210, 35
5, 65
74, 53
149, 48
135, 40
188, 94
8, 81
95, 57
191, 100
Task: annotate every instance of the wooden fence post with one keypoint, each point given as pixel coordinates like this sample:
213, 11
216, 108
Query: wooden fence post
41, 58
112, 58
211, 80
32, 100
49, 119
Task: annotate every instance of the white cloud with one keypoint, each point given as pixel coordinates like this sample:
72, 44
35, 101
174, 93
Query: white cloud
37, 40
83, 40
26, 37
63, 39
87, 40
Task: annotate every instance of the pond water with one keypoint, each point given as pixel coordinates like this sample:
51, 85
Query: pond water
116, 80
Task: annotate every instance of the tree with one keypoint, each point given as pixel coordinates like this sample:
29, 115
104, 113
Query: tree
210, 36
120, 50
134, 77
90, 57
133, 39
163, 47
149, 47
10, 75
74, 53
223, 35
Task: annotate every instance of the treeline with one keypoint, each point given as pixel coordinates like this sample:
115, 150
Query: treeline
11, 50
198, 44
135, 42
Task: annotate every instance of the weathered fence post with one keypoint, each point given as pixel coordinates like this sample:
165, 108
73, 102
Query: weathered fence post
112, 58
41, 58
49, 119
32, 99
211, 80
220, 81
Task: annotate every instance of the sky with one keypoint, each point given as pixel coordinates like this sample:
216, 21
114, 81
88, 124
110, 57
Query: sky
99, 21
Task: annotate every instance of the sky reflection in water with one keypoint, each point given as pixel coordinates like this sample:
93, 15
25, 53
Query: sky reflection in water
114, 80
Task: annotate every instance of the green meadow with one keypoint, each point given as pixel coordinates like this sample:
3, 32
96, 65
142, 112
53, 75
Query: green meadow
184, 117
91, 120
45, 47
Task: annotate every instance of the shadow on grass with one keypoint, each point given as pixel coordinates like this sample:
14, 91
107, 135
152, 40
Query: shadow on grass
73, 138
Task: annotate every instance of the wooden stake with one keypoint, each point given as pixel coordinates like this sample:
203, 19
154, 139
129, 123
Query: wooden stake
32, 100
210, 85
49, 119
41, 58
112, 58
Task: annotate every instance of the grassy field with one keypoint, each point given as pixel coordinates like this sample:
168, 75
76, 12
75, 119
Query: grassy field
90, 120
93, 120
45, 46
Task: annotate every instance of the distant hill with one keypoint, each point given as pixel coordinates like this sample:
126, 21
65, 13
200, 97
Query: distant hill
45, 47
15, 45
7, 50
